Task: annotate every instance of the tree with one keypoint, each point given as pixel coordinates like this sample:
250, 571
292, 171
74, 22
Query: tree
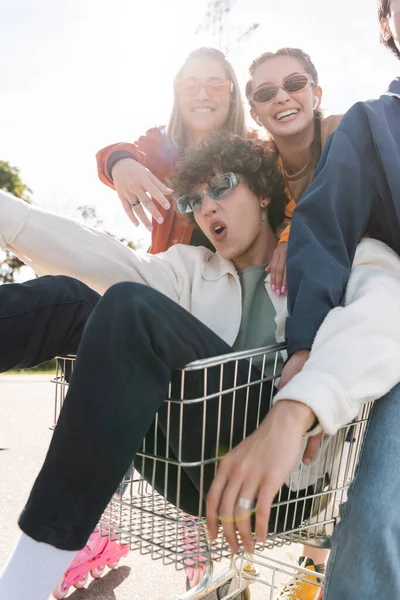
217, 21
10, 181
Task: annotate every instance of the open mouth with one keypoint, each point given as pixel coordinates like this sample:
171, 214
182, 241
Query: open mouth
287, 114
218, 231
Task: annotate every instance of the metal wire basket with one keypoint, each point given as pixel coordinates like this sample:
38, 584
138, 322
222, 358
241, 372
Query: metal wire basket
159, 508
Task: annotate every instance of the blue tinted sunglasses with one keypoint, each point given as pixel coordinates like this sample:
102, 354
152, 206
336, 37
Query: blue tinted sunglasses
217, 189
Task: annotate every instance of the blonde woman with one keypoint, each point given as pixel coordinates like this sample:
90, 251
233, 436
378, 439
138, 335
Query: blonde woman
206, 99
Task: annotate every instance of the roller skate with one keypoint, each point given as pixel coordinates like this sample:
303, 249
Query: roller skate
98, 553
194, 567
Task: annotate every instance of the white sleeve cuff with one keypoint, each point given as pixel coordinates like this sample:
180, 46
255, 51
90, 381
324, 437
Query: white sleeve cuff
324, 395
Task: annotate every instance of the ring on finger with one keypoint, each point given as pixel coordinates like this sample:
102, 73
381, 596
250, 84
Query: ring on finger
135, 203
244, 503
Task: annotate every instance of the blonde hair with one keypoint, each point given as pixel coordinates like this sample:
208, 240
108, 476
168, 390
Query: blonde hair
235, 122
309, 67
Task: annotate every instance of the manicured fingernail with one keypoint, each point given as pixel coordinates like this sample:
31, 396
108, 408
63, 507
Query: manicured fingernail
278, 292
283, 289
150, 228
170, 190
160, 220
273, 287
167, 205
307, 461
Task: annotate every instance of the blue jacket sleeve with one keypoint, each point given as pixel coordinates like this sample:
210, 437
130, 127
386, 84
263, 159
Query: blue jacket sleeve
327, 225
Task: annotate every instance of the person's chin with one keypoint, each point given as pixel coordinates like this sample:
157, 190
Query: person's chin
206, 122
224, 251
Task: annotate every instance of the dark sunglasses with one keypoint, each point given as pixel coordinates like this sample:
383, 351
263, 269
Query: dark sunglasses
217, 189
291, 85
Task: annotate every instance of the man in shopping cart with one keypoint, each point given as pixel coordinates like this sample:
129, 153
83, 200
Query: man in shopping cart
136, 338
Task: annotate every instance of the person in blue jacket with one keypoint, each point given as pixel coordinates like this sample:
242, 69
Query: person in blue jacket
355, 192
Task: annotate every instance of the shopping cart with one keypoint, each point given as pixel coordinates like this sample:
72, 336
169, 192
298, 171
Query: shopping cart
142, 515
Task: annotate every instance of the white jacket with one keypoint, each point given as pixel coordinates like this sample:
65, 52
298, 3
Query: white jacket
356, 354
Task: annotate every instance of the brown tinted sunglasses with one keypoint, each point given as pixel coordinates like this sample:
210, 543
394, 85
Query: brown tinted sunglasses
191, 87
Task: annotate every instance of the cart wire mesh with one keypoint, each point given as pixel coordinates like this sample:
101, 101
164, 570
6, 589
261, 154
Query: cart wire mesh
211, 405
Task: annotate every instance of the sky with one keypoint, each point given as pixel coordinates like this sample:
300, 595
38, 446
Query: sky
79, 75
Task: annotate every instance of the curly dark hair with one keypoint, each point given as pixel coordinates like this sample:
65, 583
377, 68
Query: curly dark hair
225, 152
383, 7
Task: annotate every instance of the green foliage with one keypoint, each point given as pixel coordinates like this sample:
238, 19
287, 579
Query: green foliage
10, 181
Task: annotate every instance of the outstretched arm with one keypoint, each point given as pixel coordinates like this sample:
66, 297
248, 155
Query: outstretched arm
56, 245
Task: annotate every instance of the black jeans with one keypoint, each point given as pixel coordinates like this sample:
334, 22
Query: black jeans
41, 319
133, 342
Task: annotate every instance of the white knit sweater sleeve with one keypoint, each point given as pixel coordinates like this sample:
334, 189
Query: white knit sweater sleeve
56, 245
355, 357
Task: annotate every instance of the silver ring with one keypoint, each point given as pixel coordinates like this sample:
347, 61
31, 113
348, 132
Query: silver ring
133, 204
244, 503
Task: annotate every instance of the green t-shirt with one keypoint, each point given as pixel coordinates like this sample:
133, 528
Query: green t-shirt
258, 326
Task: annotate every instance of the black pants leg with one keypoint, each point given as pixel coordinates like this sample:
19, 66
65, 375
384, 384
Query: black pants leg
133, 342
42, 318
